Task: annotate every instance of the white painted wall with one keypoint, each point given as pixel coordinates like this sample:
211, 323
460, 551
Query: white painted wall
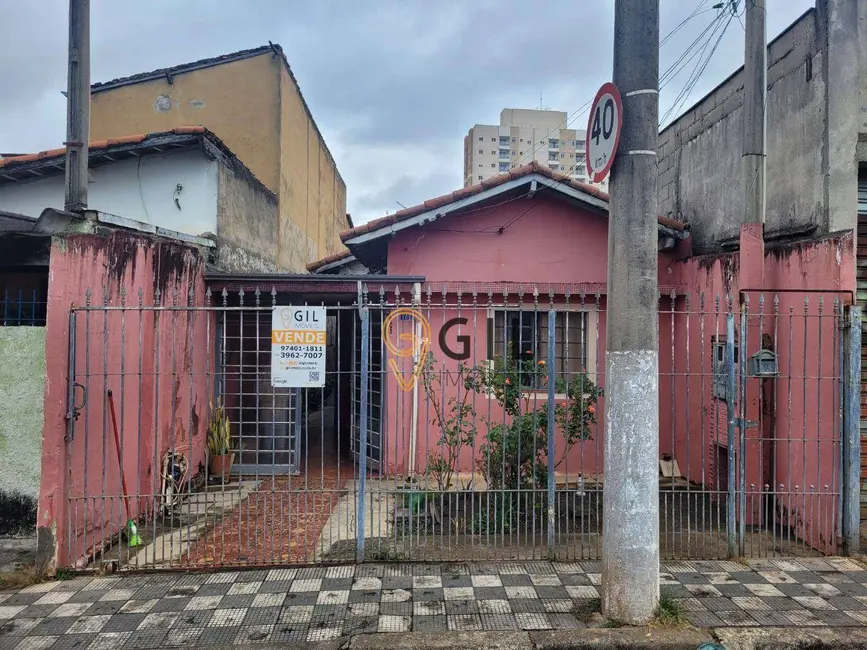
141, 189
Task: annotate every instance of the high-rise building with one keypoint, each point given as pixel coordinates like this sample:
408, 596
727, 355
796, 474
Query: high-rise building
521, 137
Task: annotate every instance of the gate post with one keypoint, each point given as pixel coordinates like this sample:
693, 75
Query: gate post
731, 421
852, 434
552, 510
743, 426
362, 433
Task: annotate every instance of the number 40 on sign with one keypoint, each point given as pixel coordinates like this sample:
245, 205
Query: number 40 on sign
603, 131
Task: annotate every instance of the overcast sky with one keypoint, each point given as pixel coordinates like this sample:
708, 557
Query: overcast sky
394, 85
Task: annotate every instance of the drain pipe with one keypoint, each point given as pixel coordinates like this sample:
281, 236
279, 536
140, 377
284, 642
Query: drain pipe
413, 423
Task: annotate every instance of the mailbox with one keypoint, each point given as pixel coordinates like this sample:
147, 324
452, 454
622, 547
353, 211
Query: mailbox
763, 364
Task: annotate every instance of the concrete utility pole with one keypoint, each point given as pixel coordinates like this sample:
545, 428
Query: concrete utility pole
77, 106
755, 121
630, 553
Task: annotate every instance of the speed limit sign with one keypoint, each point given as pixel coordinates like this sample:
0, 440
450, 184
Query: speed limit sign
603, 131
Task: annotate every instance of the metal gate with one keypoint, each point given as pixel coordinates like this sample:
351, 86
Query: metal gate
461, 422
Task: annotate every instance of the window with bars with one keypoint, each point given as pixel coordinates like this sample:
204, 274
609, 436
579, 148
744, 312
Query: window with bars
523, 335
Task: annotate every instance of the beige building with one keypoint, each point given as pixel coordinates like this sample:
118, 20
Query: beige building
252, 102
521, 137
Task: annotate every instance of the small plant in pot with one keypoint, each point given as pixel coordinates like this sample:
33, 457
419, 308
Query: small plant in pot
221, 458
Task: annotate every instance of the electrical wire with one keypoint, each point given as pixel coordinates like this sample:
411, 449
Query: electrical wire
666, 76
698, 70
696, 12
671, 72
682, 61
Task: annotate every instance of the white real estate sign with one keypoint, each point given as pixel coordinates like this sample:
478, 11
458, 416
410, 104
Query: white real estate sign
298, 347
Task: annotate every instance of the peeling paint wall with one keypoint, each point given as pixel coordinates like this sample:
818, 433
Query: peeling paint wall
22, 388
140, 356
799, 448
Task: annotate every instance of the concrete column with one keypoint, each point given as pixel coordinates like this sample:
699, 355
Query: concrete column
630, 555
755, 109
78, 106
844, 74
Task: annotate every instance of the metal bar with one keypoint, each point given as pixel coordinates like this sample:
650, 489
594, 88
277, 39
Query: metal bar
742, 430
852, 436
362, 455
552, 317
731, 418
71, 411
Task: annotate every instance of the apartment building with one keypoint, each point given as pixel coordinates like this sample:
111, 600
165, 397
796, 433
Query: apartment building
522, 136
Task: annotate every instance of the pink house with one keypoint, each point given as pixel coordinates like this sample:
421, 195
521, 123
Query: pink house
501, 256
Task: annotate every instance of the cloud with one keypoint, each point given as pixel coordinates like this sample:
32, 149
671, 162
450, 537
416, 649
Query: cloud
393, 85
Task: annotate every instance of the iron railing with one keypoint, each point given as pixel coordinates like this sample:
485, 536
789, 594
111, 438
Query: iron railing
467, 426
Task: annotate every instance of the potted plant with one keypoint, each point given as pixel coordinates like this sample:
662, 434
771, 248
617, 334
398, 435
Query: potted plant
221, 458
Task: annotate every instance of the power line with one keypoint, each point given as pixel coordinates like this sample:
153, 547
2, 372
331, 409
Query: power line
696, 12
570, 119
682, 61
698, 70
670, 73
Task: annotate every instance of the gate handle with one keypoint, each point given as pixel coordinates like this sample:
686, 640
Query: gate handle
73, 409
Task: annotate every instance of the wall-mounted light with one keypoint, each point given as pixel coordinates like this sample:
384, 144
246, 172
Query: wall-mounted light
177, 195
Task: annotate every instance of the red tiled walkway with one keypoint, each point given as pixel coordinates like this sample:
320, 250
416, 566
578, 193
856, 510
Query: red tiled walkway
280, 522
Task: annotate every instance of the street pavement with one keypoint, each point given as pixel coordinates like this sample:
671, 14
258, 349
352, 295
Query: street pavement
289, 606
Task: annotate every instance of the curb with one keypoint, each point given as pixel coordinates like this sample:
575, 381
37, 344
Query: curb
644, 638
782, 638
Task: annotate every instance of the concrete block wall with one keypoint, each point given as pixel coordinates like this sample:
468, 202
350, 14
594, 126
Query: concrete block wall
700, 152
817, 128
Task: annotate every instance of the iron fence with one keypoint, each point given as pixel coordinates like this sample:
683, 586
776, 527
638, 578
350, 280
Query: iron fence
454, 422
23, 308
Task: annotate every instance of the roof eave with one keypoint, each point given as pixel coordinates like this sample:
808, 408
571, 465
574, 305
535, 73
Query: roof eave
440, 212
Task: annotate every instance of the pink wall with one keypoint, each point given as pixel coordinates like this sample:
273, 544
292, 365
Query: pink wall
146, 358
797, 442
555, 243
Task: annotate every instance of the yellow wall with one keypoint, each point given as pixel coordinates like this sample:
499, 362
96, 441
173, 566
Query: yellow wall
255, 107
239, 101
310, 184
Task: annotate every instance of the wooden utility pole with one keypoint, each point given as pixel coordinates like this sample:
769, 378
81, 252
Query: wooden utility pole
77, 106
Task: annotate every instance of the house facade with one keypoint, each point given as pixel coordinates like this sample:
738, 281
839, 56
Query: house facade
185, 180
252, 102
501, 261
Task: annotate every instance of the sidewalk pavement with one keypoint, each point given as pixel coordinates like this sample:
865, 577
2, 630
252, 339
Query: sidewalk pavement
347, 606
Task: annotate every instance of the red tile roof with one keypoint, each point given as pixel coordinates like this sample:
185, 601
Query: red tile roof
336, 257
102, 144
446, 199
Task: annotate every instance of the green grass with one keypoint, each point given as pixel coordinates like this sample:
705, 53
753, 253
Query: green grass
64, 573
669, 612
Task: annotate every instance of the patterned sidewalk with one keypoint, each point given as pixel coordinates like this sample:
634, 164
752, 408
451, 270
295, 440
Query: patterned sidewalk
315, 604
